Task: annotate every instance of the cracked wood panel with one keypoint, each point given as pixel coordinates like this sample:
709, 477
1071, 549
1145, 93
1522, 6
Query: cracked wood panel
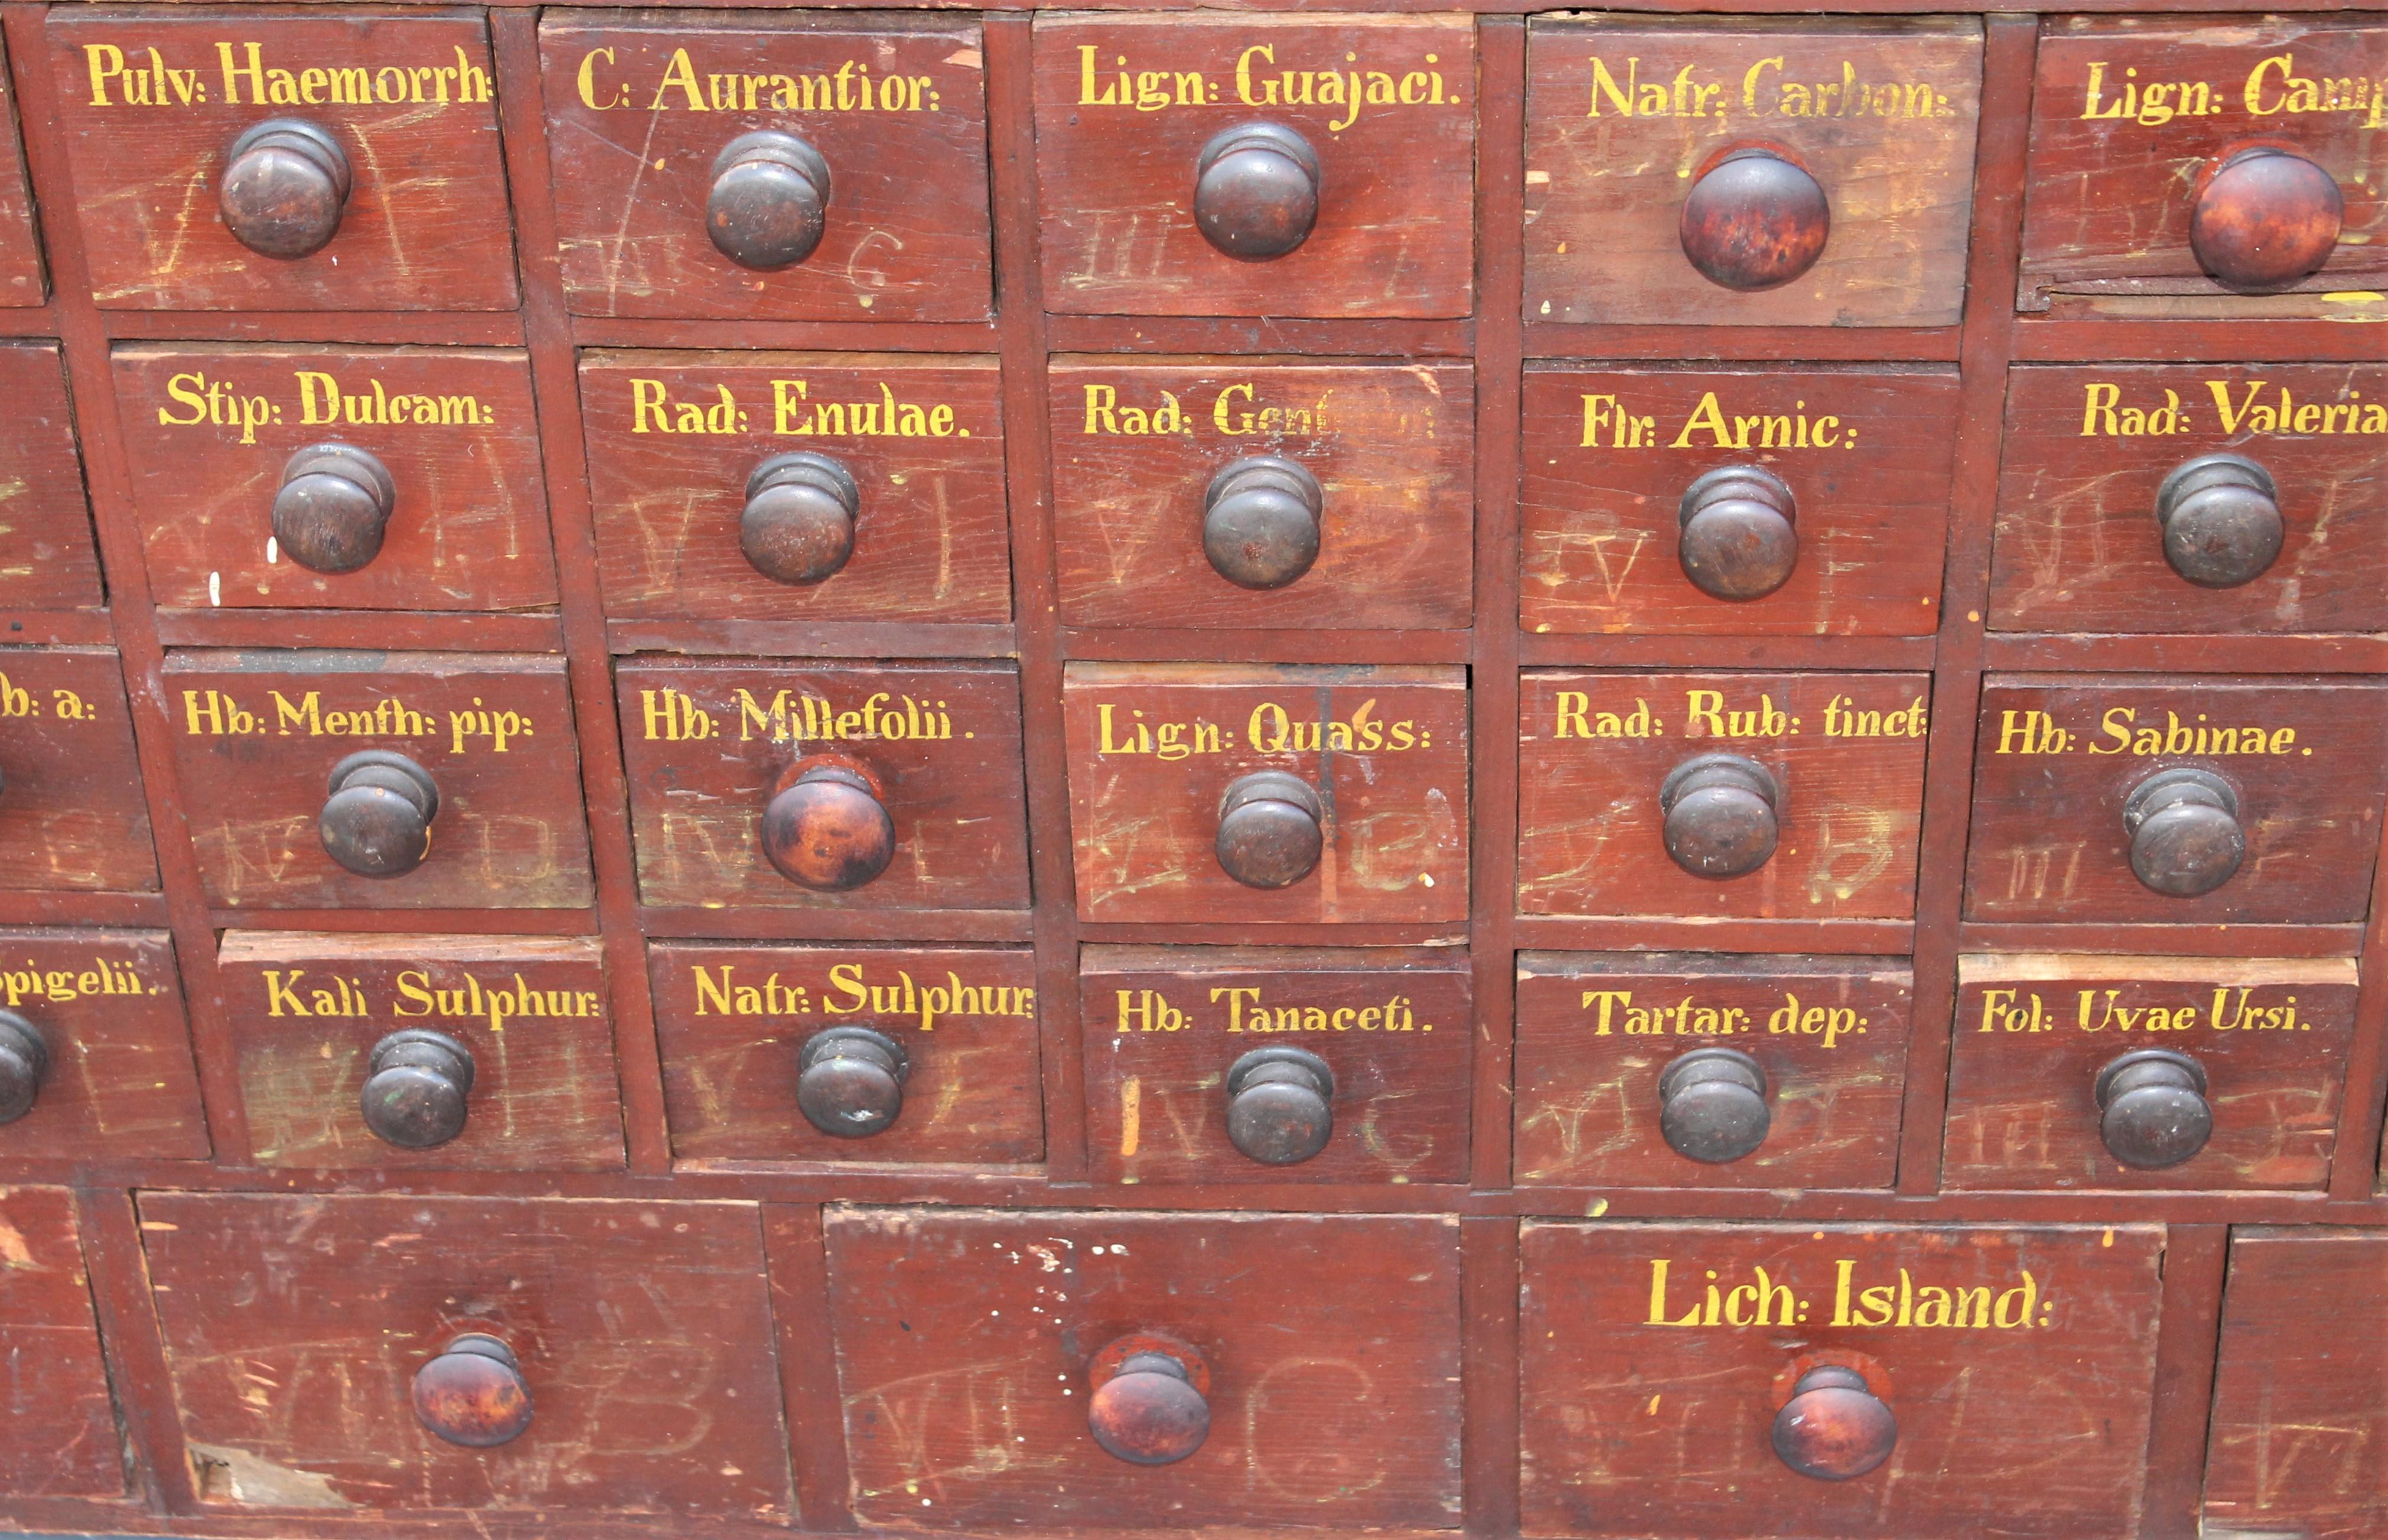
733, 1018
47, 561
673, 437
1647, 1396
59, 1436
256, 736
639, 103
1594, 1033
1624, 112
294, 1326
209, 431
120, 1083
22, 280
1867, 454
1164, 1024
1333, 1341
73, 811
1391, 446
2049, 790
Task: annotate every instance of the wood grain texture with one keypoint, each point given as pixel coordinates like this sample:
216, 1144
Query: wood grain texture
47, 561
73, 804
59, 1436
109, 1004
22, 280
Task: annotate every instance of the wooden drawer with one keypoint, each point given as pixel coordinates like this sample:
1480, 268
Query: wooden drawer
642, 106
747, 1068
1162, 756
59, 1436
258, 737
46, 558
917, 799
111, 1075
677, 440
1748, 501
23, 280
241, 508
1799, 1082
1843, 755
2280, 540
1385, 106
1346, 1066
296, 1328
1330, 1342
71, 798
1170, 510
2019, 1366
152, 102
1855, 216
2054, 1078
406, 1053
2059, 759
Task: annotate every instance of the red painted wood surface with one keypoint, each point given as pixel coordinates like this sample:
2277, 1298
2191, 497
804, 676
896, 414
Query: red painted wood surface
57, 1429
72, 804
46, 558
23, 280
108, 1006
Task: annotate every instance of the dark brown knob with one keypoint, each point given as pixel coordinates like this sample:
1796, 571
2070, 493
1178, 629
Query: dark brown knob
1256, 190
1712, 1104
1149, 1406
1737, 537
416, 1080
2220, 515
24, 1060
770, 200
2184, 827
1755, 221
1833, 1428
1260, 522
1280, 1104
850, 1080
474, 1394
1720, 815
2152, 1109
2265, 219
801, 509
378, 820
334, 503
1270, 829
825, 828
284, 182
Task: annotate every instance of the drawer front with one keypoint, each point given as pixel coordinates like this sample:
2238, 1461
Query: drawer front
21, 278
766, 1056
1157, 753
73, 805
258, 735
1330, 1345
1703, 1071
1254, 1064
112, 1073
296, 1328
1842, 760
2279, 537
640, 110
1166, 512
152, 102
676, 441
2018, 1365
2060, 759
452, 1052
917, 799
2095, 1072
1868, 130
59, 1436
1385, 106
47, 561
1824, 510
241, 509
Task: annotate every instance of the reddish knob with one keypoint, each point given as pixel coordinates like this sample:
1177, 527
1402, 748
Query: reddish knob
474, 1394
1149, 1411
2266, 219
826, 830
1754, 221
284, 182
1833, 1428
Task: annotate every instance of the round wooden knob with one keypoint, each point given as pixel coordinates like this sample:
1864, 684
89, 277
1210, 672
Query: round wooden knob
2152, 1109
284, 182
2266, 219
2220, 515
2184, 829
474, 1394
1755, 221
1719, 812
378, 820
850, 1080
336, 501
798, 526
24, 1060
416, 1080
1833, 1428
1712, 1104
1256, 190
1260, 522
1149, 1406
1280, 1104
770, 200
1270, 833
826, 830
1737, 538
